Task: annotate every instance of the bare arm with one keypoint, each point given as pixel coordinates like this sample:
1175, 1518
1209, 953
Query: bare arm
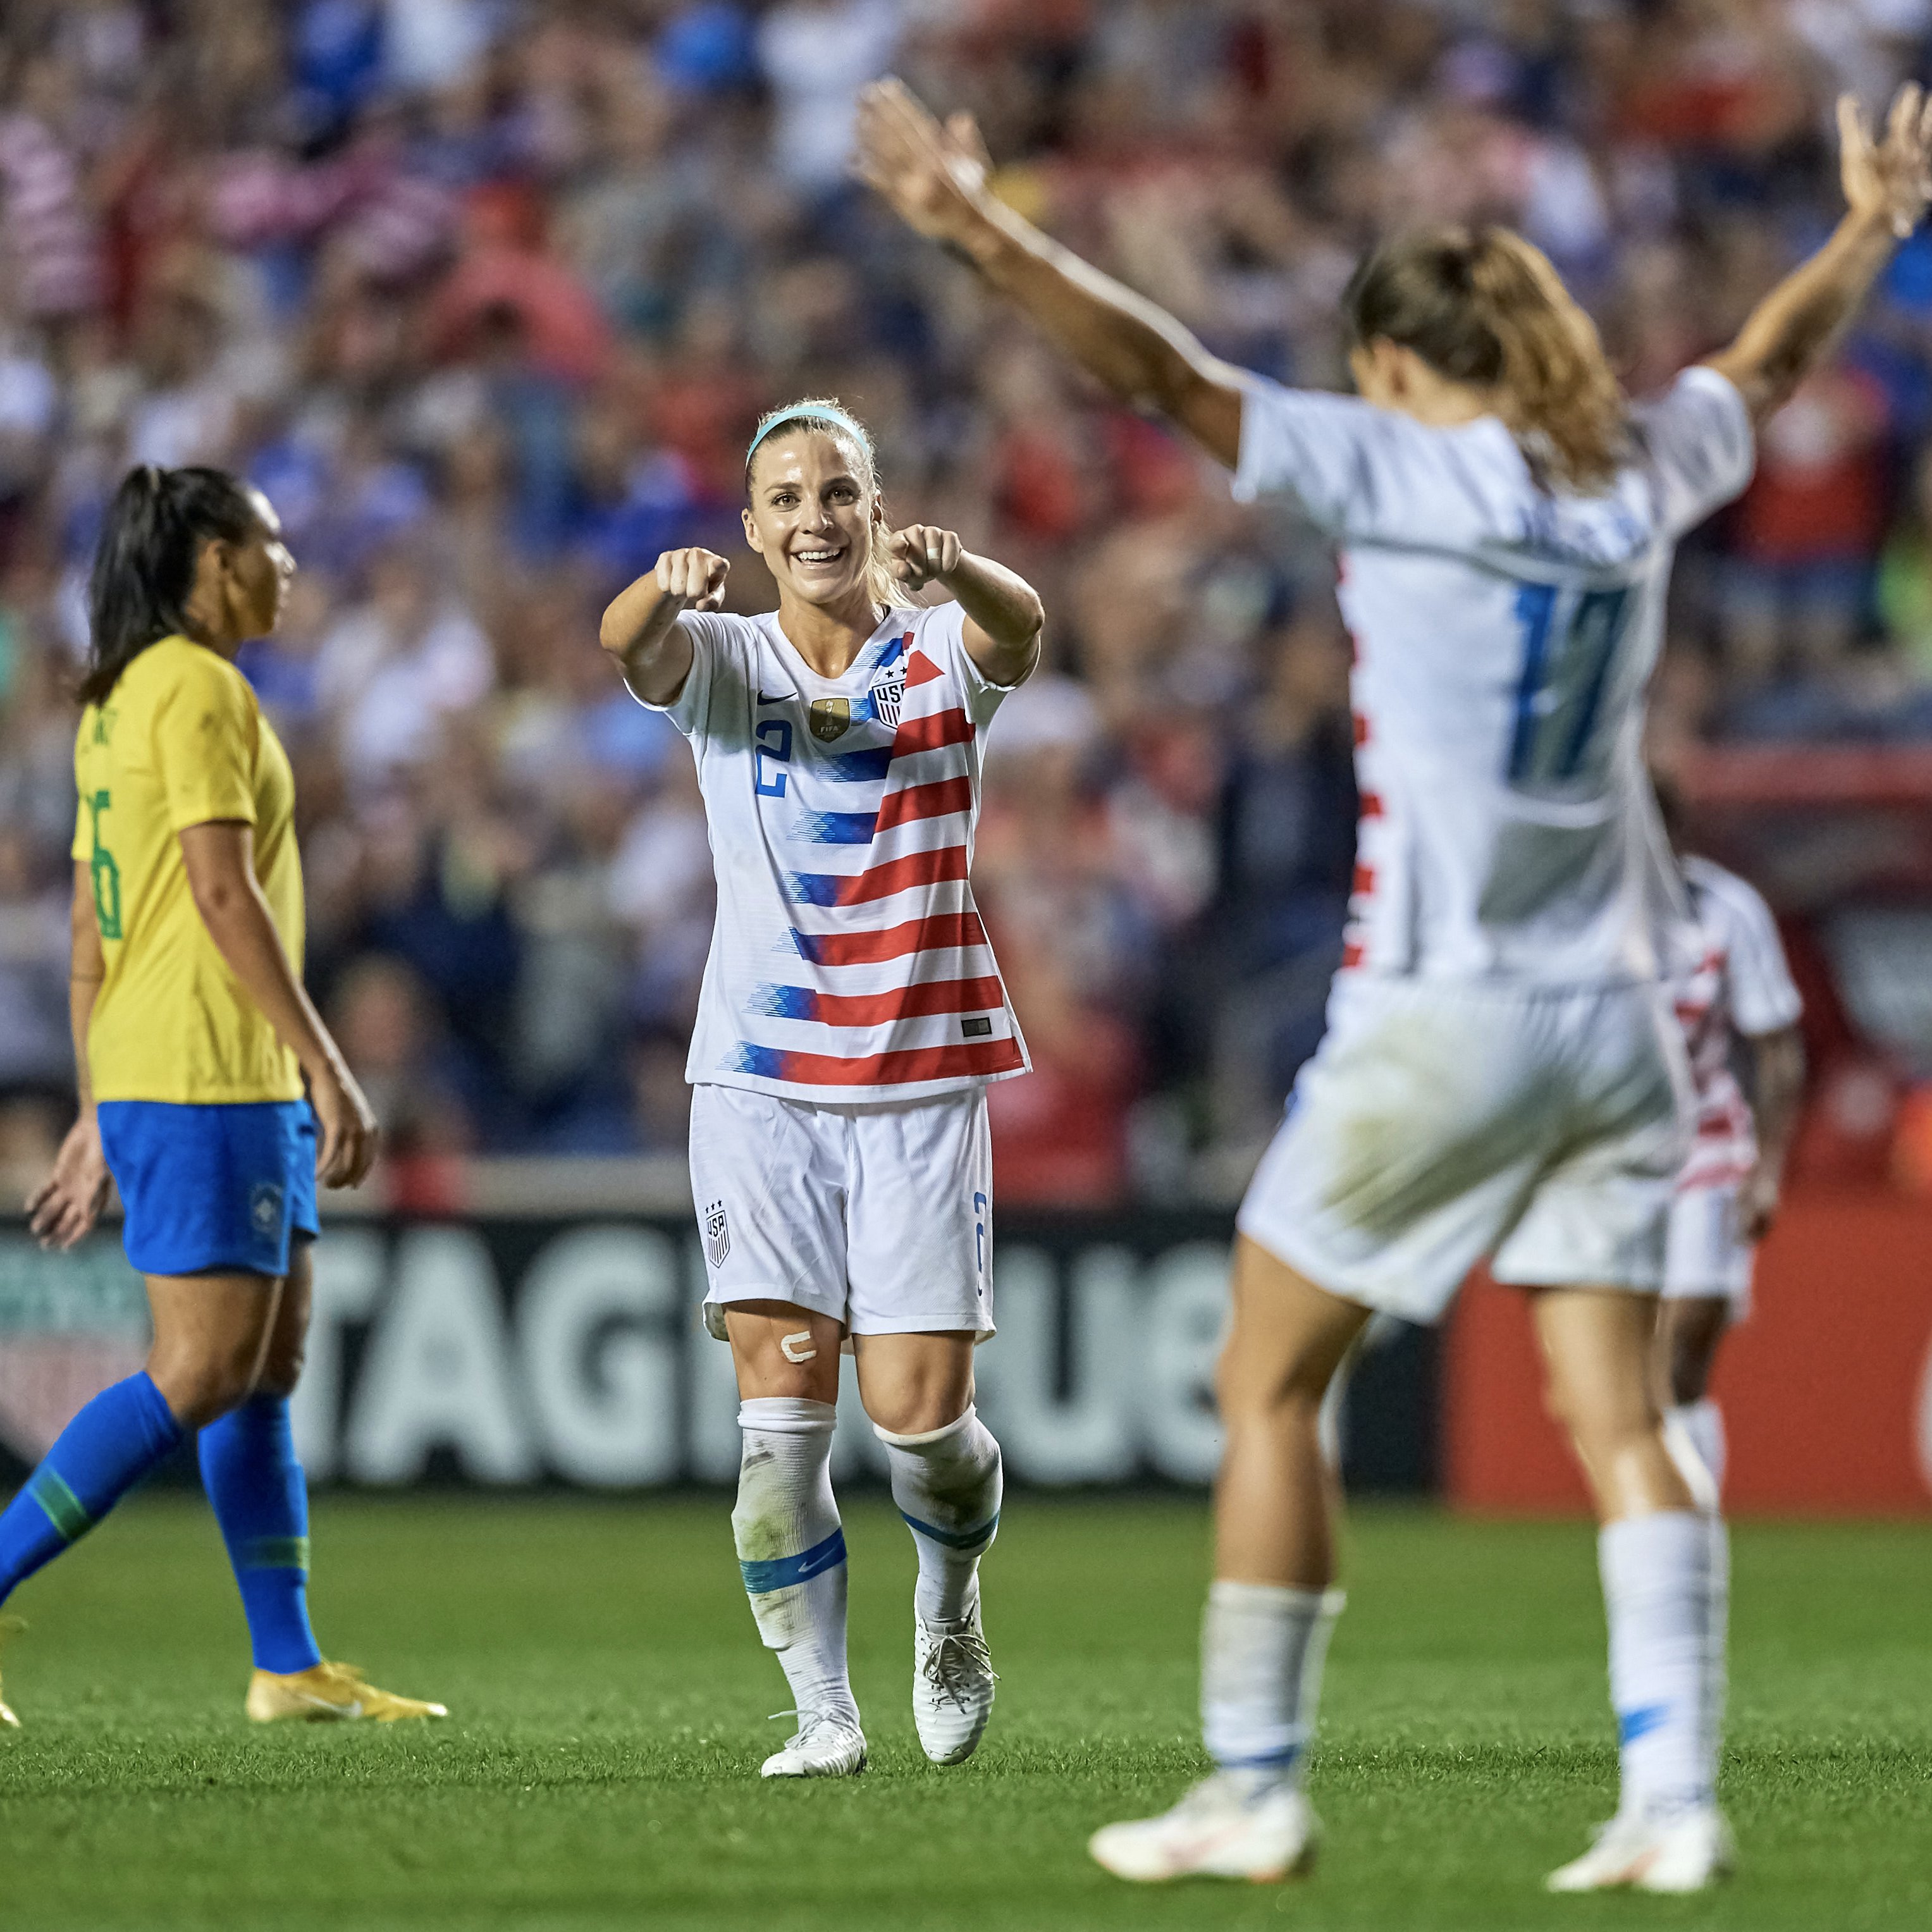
66, 1205
1004, 616
1887, 185
1777, 1085
935, 179
640, 628
220, 856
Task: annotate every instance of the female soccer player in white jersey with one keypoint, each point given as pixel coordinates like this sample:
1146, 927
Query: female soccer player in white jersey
851, 1017
1501, 1075
1735, 999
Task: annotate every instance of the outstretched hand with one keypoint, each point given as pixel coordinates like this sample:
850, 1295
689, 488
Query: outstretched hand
933, 177
1889, 179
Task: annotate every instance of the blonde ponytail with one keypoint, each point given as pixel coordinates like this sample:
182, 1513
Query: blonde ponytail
1484, 307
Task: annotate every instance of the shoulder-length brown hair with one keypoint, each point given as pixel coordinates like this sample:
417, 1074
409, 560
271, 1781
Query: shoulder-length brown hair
1483, 306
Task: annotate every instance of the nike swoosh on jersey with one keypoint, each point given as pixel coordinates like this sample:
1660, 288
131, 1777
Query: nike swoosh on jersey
778, 697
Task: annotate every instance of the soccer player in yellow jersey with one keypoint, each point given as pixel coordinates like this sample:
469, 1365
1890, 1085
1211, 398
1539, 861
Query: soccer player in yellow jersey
193, 1039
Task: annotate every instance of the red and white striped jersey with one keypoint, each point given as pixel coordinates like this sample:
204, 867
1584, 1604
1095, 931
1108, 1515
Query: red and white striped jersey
1738, 983
1504, 635
848, 962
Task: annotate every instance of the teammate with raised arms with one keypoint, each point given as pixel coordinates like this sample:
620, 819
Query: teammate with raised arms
1501, 1074
851, 1017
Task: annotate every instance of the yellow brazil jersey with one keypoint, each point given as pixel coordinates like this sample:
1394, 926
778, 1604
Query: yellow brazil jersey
180, 742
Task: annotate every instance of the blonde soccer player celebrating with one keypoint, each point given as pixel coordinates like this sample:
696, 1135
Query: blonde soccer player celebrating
1501, 1073
194, 1042
851, 1017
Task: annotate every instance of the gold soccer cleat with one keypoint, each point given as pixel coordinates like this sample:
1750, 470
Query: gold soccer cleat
9, 1626
329, 1694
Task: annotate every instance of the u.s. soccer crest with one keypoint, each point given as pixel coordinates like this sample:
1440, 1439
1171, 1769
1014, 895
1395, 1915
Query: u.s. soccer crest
887, 693
717, 1234
830, 717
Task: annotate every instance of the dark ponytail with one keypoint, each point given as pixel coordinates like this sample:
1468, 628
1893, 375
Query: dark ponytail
144, 564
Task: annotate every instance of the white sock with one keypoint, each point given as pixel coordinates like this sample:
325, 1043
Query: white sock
1664, 1594
791, 1549
1703, 1422
947, 1485
1262, 1647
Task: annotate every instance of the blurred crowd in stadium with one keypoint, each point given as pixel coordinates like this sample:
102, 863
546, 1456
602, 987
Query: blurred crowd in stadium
487, 293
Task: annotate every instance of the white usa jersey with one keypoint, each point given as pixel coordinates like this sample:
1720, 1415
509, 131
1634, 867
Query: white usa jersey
848, 962
1505, 636
1739, 982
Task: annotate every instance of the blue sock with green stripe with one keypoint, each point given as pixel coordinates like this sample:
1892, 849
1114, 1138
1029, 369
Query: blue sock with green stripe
124, 1434
791, 1549
260, 1496
947, 1484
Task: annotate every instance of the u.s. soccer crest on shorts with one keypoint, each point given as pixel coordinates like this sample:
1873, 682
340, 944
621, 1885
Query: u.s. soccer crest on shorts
887, 693
717, 1234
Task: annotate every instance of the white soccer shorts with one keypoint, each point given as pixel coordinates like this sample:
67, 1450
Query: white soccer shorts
878, 1214
1438, 1123
1702, 1255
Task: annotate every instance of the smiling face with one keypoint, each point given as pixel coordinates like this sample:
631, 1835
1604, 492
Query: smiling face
811, 517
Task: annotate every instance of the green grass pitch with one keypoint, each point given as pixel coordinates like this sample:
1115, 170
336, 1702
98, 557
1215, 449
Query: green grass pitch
610, 1699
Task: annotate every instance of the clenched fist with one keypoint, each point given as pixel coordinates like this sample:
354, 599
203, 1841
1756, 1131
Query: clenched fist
920, 554
695, 577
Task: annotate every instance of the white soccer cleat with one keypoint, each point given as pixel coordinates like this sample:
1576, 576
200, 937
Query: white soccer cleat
1686, 1851
953, 1680
1236, 1824
823, 1747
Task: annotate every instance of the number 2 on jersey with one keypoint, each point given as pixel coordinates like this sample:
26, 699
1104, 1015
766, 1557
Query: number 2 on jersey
104, 873
774, 737
1570, 645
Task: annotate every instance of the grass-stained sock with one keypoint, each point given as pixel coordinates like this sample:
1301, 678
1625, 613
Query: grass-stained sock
947, 1484
791, 1548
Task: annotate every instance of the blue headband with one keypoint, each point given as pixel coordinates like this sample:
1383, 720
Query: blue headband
811, 412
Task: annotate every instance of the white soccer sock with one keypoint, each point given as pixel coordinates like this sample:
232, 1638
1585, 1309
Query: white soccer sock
791, 1549
1262, 1647
947, 1485
1664, 1594
1703, 1422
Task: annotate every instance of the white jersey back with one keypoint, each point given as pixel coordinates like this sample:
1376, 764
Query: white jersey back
848, 962
1505, 636
1737, 982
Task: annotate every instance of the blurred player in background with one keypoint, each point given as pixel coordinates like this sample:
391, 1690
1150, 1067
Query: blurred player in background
193, 1035
1736, 1003
1501, 1073
851, 1017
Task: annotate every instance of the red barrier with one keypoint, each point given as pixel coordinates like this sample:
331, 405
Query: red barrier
1827, 1390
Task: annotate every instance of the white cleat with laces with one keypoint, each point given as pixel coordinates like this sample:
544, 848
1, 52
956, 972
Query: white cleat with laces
953, 1680
1685, 1852
824, 1746
1237, 1824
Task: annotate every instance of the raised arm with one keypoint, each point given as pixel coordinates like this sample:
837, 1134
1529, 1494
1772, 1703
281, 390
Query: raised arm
935, 179
1004, 616
1887, 184
640, 629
